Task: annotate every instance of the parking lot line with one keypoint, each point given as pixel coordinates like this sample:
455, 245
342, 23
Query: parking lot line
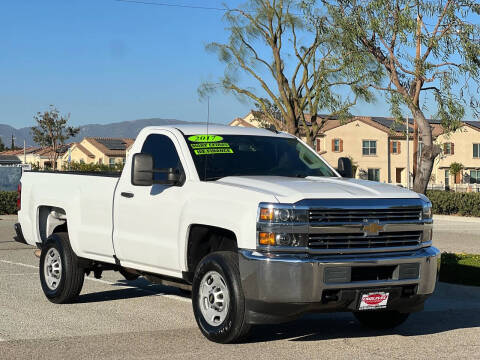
22, 274
169, 296
19, 264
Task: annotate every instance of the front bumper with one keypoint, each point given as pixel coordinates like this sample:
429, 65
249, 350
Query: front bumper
287, 285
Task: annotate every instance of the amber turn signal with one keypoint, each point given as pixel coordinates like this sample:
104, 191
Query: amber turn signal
266, 214
265, 238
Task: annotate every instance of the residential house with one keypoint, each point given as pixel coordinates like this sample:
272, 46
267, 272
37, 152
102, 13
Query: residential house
461, 146
378, 148
92, 150
9, 160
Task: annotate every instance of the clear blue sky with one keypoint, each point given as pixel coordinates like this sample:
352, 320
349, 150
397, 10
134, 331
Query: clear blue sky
106, 61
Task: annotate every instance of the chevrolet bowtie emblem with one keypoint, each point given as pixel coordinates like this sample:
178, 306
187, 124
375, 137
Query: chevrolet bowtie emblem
372, 228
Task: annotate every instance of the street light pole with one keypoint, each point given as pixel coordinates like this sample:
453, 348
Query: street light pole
408, 157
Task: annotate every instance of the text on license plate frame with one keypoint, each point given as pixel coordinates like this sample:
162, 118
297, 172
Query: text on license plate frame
374, 300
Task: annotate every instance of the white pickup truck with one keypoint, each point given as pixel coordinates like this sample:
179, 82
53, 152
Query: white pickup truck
254, 222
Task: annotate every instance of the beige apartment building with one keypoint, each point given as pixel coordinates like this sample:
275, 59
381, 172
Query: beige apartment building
38, 156
108, 151
378, 148
90, 150
462, 146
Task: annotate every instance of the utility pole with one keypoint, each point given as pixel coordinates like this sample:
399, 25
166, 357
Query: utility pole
24, 151
408, 156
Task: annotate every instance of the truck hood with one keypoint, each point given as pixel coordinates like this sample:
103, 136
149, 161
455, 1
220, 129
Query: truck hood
291, 190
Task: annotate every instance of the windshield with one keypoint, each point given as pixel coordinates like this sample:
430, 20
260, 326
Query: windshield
217, 156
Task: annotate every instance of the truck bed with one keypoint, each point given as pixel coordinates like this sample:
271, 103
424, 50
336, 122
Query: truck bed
86, 198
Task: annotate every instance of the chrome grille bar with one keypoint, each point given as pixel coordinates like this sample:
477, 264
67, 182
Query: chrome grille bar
349, 240
342, 225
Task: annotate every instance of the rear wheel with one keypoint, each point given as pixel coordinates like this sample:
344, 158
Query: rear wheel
381, 320
60, 275
218, 300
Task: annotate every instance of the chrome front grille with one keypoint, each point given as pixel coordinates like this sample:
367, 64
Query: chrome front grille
347, 216
355, 226
360, 241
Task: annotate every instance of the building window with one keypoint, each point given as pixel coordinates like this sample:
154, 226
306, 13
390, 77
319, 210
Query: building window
337, 145
369, 147
448, 149
395, 147
374, 174
476, 150
318, 144
447, 177
100, 161
111, 162
474, 176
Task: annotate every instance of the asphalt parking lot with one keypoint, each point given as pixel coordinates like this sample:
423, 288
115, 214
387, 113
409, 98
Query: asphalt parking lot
116, 319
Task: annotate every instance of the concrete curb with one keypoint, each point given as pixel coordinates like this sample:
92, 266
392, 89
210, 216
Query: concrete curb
8, 217
465, 219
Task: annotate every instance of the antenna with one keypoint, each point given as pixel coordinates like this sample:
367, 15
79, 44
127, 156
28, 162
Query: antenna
208, 121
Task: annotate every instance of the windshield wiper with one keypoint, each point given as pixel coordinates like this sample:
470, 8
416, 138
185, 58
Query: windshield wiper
213, 178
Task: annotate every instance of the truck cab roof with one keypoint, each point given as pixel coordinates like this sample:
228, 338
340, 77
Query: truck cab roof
193, 129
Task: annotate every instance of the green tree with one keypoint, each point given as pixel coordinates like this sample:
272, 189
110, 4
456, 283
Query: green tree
52, 131
425, 48
286, 48
2, 145
455, 169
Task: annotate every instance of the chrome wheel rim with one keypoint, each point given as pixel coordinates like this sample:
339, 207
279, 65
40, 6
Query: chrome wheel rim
52, 268
214, 298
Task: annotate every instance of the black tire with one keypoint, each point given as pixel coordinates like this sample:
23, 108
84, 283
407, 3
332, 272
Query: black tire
72, 275
234, 328
381, 320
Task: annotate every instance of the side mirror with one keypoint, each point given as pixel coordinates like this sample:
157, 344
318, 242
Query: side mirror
345, 167
173, 177
142, 170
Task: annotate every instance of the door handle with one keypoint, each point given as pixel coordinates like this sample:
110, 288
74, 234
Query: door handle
127, 194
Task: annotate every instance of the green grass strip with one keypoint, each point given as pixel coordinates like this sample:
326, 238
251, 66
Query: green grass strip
461, 269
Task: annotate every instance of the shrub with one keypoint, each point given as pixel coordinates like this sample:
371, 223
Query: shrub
8, 202
447, 203
82, 167
460, 269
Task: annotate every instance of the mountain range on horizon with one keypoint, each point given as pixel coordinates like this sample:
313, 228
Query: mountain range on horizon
124, 129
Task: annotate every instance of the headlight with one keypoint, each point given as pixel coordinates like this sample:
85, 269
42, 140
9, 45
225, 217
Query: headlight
278, 226
427, 211
281, 213
427, 208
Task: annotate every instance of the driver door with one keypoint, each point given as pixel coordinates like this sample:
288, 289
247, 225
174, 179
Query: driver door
146, 218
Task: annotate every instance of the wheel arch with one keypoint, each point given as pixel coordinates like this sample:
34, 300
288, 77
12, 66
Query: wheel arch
204, 239
50, 220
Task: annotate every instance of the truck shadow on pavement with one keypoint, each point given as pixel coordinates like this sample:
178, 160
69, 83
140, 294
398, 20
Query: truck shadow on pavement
451, 307
317, 327
130, 290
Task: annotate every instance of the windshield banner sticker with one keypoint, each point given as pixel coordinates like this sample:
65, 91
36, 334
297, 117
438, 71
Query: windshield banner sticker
213, 151
205, 138
209, 145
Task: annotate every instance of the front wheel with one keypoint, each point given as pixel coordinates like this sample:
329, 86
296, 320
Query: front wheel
381, 320
60, 275
218, 300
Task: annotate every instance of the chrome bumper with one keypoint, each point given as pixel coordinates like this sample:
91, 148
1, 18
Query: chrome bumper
295, 278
